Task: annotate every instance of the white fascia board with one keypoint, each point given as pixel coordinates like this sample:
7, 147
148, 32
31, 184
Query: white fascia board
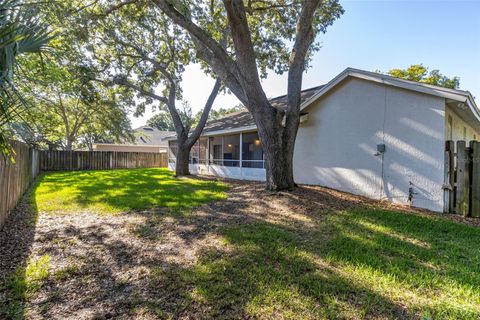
233, 130
473, 108
129, 145
457, 95
221, 132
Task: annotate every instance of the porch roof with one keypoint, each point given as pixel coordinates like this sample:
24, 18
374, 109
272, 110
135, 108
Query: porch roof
244, 120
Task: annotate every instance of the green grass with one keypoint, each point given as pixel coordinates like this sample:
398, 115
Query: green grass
114, 191
23, 284
359, 263
363, 263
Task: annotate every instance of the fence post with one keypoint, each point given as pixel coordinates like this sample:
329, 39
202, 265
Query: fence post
462, 179
449, 205
475, 178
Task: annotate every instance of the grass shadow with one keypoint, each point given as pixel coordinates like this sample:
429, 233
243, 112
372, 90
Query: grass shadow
312, 253
20, 277
113, 191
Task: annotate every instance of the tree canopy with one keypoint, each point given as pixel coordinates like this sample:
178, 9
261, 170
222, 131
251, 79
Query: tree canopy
71, 107
419, 73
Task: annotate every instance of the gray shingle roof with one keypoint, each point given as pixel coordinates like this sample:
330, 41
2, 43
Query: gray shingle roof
146, 135
243, 118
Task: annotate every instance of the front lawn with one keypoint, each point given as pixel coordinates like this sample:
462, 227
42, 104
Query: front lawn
114, 191
313, 253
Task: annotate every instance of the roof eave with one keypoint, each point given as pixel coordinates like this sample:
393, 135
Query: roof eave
457, 95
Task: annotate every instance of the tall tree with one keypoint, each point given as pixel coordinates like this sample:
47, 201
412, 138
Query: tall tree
419, 73
263, 35
61, 84
144, 52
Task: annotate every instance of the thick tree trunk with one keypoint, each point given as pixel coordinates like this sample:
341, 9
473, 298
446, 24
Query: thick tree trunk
69, 144
279, 167
181, 165
278, 146
241, 76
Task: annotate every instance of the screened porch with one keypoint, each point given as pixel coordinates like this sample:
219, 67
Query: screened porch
241, 150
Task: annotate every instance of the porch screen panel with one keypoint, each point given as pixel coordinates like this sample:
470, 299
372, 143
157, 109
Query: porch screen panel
203, 151
231, 150
172, 151
252, 152
215, 152
194, 154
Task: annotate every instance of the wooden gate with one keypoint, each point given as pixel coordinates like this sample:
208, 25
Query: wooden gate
462, 178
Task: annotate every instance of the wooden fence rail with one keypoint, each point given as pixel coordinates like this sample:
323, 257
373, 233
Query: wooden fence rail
462, 178
15, 178
99, 160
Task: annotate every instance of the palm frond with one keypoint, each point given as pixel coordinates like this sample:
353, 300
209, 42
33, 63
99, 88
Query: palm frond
20, 32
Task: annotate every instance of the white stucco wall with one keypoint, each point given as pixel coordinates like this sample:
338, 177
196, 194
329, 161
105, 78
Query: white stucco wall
336, 146
459, 126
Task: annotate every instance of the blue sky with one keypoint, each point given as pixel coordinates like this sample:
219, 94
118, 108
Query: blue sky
378, 35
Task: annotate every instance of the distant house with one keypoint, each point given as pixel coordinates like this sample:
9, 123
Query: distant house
147, 139
363, 132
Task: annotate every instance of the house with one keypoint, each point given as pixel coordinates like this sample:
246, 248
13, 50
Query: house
147, 139
365, 133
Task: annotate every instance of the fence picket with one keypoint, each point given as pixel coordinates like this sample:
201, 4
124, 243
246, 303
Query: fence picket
99, 160
461, 195
15, 178
475, 187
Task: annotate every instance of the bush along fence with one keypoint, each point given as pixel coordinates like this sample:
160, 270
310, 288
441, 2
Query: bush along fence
16, 177
99, 160
462, 178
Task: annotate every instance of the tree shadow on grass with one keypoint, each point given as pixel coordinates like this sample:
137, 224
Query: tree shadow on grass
18, 277
312, 253
266, 273
133, 189
421, 251
431, 262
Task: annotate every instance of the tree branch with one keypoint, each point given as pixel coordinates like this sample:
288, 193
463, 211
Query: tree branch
206, 111
117, 6
130, 85
245, 54
211, 51
304, 38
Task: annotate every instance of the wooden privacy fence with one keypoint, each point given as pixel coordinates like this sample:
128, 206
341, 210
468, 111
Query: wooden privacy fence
462, 178
98, 160
15, 178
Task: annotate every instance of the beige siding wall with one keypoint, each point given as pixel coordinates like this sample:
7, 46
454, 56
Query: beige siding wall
457, 129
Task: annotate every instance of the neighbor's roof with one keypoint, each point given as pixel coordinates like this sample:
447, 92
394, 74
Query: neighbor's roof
243, 118
146, 135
